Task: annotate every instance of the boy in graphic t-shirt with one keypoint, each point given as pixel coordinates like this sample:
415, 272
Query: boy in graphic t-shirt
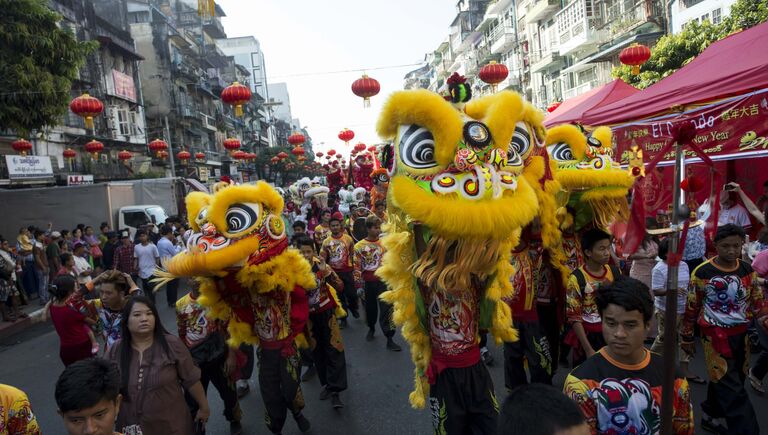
583, 285
619, 388
337, 250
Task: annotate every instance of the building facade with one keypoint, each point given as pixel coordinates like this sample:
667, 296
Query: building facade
685, 11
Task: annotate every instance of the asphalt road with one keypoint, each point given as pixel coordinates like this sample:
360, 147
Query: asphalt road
376, 401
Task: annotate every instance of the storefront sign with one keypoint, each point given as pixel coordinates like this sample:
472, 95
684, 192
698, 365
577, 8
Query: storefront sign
77, 180
731, 128
123, 86
28, 167
203, 174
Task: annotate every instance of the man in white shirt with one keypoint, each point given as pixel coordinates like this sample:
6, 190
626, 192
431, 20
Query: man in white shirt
167, 248
82, 267
659, 289
148, 257
732, 212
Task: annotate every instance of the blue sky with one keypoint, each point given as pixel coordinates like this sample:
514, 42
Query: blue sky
307, 36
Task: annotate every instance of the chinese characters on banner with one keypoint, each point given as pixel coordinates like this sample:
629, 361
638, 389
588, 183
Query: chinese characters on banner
731, 127
124, 87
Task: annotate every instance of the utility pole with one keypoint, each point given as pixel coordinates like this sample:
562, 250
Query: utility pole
170, 147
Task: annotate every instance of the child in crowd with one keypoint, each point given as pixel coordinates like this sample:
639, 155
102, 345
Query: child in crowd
368, 255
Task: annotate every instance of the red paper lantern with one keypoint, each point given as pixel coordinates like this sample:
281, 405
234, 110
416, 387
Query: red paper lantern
493, 74
331, 152
87, 107
552, 107
124, 156
301, 158
274, 159
200, 157
346, 135
69, 154
692, 184
372, 148
296, 139
319, 154
635, 55
232, 144
22, 146
239, 155
94, 147
282, 155
236, 95
157, 146
298, 151
366, 87
327, 157
360, 147
162, 155
339, 156
183, 156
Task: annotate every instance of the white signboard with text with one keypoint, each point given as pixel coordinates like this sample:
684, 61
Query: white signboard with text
77, 180
28, 167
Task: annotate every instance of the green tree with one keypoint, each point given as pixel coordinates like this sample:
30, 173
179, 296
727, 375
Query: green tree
672, 52
38, 62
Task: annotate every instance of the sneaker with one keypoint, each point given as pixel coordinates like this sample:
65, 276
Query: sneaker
370, 334
242, 388
235, 428
309, 374
336, 401
713, 425
485, 356
391, 345
343, 323
302, 422
355, 313
325, 393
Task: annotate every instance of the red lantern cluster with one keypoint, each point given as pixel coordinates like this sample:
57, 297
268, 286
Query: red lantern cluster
124, 156
158, 146
282, 155
69, 154
296, 139
87, 107
493, 74
232, 144
183, 156
360, 147
366, 87
346, 135
239, 155
94, 147
22, 146
635, 55
236, 95
200, 157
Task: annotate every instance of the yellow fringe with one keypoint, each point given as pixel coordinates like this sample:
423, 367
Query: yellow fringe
339, 311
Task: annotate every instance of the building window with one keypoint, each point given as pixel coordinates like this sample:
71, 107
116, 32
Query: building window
123, 122
705, 17
255, 58
717, 16
135, 128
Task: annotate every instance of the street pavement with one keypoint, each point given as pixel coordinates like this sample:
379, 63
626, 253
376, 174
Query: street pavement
376, 400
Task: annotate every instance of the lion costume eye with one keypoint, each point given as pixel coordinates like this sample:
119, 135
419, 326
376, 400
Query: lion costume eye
241, 217
202, 216
561, 152
521, 139
416, 147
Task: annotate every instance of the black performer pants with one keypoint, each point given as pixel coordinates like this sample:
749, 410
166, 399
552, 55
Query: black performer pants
375, 307
550, 327
247, 371
596, 340
533, 346
213, 372
328, 351
463, 402
726, 396
279, 385
348, 296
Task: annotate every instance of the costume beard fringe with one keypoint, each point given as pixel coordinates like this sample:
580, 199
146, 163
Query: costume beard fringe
607, 210
450, 265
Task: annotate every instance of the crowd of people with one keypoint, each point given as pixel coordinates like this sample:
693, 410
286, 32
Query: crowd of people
605, 322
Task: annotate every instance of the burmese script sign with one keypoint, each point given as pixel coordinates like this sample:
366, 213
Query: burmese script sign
28, 167
731, 127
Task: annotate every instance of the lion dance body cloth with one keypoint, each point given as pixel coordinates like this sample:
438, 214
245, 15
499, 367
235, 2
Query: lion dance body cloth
457, 201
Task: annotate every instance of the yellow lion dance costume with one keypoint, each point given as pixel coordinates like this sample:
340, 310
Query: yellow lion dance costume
457, 200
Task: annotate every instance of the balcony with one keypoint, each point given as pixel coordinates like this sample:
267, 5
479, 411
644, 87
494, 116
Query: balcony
214, 28
502, 38
184, 69
546, 61
580, 89
624, 17
208, 122
540, 10
577, 27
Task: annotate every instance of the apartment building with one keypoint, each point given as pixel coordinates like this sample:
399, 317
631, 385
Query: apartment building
685, 11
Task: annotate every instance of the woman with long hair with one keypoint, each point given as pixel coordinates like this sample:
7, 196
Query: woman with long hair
70, 323
156, 368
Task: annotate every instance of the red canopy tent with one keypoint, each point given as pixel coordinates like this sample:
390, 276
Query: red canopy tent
577, 108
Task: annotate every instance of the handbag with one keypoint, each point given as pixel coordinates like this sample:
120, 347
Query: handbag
96, 251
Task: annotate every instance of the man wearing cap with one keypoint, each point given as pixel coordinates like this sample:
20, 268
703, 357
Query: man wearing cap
53, 253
